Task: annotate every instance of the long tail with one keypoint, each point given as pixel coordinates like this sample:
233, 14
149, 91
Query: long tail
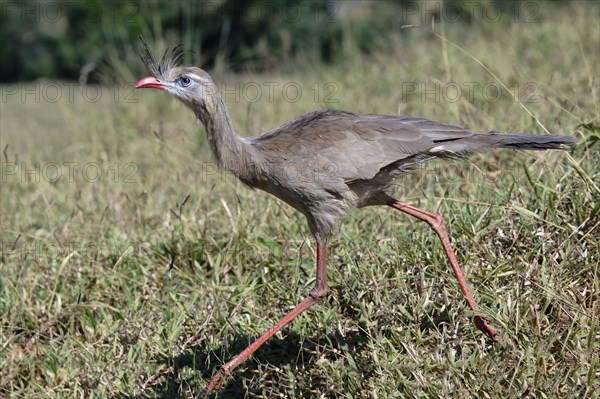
526, 141
479, 142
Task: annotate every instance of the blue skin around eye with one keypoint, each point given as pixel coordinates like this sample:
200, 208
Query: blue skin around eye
185, 81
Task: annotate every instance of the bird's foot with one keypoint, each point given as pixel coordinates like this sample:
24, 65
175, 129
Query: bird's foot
482, 324
216, 382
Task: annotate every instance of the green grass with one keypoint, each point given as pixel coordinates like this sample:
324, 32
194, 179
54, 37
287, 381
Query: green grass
143, 283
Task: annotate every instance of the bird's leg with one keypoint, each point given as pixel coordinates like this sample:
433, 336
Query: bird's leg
437, 224
318, 292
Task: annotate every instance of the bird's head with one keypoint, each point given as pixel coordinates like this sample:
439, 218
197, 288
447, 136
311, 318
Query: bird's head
189, 84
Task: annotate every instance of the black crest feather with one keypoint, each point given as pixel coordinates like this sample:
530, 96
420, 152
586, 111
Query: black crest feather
170, 58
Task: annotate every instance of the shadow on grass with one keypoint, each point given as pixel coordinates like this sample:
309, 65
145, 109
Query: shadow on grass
257, 376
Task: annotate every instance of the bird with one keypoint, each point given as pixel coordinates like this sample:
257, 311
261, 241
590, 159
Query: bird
327, 164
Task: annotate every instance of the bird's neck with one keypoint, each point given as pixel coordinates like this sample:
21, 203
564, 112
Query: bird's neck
231, 151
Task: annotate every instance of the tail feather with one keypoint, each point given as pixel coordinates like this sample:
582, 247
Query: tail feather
479, 142
526, 141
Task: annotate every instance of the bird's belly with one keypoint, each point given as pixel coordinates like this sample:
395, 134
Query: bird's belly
323, 208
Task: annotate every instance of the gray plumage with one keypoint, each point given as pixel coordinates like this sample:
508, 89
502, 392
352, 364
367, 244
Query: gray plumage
328, 163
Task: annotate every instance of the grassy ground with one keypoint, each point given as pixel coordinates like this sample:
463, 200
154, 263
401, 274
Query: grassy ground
131, 268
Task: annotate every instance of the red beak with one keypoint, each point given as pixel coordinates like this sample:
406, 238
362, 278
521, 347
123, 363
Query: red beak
149, 82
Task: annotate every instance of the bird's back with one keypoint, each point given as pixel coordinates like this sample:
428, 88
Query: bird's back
355, 146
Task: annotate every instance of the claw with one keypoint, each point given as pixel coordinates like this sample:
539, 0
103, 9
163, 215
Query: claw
482, 324
215, 384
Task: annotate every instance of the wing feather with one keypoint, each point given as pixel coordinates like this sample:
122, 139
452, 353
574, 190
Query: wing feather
356, 147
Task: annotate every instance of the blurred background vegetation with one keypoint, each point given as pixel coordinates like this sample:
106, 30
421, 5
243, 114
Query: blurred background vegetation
95, 40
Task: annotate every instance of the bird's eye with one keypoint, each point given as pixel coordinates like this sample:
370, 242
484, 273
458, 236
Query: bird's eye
185, 81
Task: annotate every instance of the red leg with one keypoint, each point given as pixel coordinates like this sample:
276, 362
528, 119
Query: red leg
315, 295
437, 224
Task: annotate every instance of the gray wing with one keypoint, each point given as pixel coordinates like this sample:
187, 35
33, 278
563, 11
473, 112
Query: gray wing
356, 147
